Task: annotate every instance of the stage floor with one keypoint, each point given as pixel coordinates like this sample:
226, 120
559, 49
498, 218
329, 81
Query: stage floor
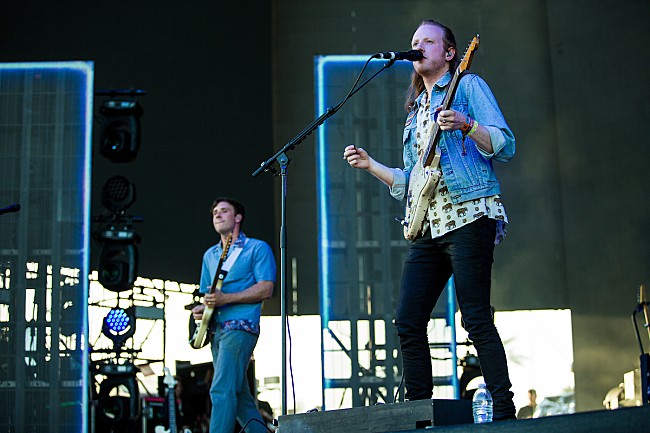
370, 420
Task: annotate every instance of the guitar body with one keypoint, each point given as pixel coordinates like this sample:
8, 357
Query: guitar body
426, 174
199, 339
422, 184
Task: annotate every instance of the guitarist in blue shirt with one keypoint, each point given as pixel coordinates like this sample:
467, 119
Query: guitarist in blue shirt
237, 275
464, 218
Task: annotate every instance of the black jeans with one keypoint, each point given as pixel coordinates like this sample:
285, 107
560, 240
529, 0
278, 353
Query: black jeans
467, 253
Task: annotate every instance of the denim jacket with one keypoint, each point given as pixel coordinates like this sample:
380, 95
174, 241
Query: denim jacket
467, 168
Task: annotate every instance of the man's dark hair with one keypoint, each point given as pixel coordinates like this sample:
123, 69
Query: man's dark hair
417, 84
239, 208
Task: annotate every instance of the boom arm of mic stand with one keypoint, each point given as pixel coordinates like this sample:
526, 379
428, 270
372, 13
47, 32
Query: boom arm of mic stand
283, 161
266, 165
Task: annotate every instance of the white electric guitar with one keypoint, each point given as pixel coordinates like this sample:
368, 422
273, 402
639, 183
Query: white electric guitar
425, 174
171, 401
199, 339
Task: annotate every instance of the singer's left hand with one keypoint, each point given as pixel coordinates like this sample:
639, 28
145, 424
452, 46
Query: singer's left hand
450, 120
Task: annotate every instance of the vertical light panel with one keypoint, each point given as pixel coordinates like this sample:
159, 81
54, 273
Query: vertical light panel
324, 66
46, 111
360, 245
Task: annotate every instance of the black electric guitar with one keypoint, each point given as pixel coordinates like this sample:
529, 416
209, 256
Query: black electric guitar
170, 382
199, 339
426, 173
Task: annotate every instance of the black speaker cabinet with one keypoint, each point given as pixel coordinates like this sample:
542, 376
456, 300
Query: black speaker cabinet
409, 415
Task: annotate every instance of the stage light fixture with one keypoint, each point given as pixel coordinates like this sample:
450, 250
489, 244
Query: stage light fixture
120, 139
118, 194
471, 371
119, 325
118, 259
118, 399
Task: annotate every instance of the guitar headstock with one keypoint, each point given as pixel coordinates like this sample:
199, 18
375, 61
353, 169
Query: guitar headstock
469, 54
642, 295
169, 379
224, 254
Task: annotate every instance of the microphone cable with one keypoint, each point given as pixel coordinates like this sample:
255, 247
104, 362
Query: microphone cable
293, 385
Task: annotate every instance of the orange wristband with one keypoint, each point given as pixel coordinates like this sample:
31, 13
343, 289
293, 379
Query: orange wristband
467, 125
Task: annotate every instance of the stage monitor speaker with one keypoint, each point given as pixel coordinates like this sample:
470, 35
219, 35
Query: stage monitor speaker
409, 415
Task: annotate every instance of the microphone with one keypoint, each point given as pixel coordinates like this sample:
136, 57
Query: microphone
411, 55
8, 209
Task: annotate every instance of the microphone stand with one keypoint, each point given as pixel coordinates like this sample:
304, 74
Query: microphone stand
10, 209
283, 161
644, 358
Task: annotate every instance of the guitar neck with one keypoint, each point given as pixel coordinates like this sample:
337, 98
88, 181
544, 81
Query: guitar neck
216, 281
171, 398
453, 85
446, 105
463, 66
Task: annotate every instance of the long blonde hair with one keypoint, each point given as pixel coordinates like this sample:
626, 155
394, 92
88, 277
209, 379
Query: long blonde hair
417, 83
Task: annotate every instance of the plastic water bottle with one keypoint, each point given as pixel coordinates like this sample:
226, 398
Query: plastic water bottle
482, 405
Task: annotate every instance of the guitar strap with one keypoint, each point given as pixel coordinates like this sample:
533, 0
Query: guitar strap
232, 257
233, 254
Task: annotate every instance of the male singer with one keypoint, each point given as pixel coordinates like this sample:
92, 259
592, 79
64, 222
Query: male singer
466, 217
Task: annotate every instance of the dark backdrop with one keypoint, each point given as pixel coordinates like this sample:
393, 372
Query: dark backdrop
225, 80
571, 78
206, 68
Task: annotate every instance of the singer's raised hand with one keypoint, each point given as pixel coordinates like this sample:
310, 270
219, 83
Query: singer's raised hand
359, 158
356, 157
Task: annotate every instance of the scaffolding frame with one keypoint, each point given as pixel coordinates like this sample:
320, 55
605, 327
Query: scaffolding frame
361, 246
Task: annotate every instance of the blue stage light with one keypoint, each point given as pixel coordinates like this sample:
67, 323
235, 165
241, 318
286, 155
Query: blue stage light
117, 320
119, 325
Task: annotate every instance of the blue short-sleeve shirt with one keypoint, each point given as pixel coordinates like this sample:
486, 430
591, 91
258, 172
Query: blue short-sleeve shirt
255, 263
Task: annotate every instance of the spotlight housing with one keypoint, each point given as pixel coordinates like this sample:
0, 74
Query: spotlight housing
120, 139
118, 259
117, 411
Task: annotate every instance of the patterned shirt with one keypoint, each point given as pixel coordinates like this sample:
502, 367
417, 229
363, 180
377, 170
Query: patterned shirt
241, 325
443, 215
